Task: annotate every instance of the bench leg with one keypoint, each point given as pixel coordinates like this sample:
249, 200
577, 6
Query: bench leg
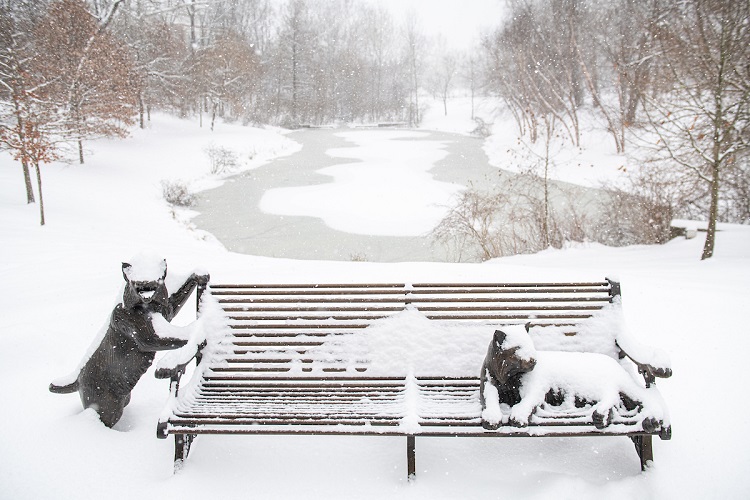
182, 444
411, 457
644, 449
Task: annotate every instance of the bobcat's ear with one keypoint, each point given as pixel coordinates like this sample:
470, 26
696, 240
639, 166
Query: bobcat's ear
499, 338
125, 269
164, 276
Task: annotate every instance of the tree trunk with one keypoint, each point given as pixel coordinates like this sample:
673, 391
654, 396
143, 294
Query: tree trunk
713, 215
416, 98
549, 125
27, 181
80, 153
24, 163
472, 98
41, 198
141, 111
631, 108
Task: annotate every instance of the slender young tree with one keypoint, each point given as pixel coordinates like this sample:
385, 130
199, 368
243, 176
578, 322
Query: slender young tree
444, 71
14, 89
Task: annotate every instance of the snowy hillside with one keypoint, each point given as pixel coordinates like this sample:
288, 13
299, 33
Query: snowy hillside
60, 282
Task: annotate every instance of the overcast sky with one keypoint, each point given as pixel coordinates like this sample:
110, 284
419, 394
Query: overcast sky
461, 21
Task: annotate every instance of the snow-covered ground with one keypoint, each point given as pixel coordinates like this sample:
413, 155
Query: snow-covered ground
61, 281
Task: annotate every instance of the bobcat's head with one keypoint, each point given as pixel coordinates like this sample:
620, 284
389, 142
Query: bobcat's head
145, 287
503, 363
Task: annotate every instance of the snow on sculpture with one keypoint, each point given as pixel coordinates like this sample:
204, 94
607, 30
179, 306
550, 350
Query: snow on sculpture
126, 347
517, 380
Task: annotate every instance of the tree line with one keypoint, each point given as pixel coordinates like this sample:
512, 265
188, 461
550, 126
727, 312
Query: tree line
288, 63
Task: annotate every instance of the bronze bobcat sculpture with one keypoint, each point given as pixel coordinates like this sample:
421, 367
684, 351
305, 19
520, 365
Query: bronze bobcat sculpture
503, 369
129, 345
526, 379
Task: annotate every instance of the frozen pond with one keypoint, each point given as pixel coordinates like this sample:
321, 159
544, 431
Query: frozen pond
353, 194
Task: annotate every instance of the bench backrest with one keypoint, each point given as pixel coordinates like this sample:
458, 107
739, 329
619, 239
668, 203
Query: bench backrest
276, 326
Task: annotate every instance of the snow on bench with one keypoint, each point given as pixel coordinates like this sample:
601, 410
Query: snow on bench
391, 359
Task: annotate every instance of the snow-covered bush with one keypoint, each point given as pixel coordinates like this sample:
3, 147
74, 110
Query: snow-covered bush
520, 217
177, 193
222, 159
482, 129
639, 214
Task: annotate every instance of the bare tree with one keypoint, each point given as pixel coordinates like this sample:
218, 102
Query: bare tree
296, 42
159, 54
471, 76
15, 86
444, 71
415, 44
533, 65
380, 51
27, 121
703, 121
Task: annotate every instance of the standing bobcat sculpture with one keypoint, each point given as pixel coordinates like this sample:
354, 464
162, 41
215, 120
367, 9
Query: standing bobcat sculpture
129, 344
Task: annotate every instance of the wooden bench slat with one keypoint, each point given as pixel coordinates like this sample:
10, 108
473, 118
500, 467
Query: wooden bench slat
322, 326
512, 285
303, 286
312, 292
250, 391
307, 381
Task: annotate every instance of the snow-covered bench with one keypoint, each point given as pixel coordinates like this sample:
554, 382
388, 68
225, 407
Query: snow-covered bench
391, 359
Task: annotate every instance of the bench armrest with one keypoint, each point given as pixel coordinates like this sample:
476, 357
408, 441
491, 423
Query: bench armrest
173, 363
660, 367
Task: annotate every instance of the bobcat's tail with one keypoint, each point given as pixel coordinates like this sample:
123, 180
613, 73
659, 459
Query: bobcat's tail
63, 389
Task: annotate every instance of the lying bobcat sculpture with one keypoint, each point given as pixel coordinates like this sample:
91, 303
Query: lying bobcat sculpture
502, 370
523, 379
128, 347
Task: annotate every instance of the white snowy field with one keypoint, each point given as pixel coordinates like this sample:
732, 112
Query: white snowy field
61, 281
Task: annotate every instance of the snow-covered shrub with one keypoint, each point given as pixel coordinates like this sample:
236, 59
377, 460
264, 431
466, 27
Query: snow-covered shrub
177, 193
517, 218
482, 129
222, 159
639, 214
